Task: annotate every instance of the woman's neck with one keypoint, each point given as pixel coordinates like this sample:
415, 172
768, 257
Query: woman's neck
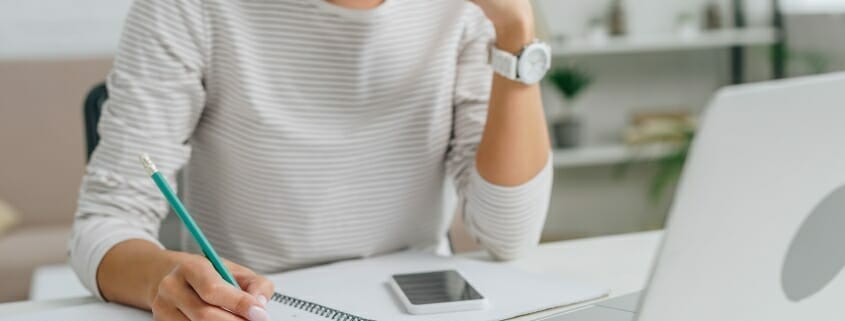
357, 4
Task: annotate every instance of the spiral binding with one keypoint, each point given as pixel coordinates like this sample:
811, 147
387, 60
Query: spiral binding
315, 308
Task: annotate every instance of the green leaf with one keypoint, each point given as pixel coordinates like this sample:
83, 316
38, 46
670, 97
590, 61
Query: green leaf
570, 81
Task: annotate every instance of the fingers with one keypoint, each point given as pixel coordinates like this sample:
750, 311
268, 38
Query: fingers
190, 305
257, 285
261, 288
213, 290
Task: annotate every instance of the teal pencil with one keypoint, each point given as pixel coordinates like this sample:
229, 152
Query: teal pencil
186, 219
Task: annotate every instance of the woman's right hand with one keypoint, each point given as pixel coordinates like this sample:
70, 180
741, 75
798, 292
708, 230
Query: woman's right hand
194, 291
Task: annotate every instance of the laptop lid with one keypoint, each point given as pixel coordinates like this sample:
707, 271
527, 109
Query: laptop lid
757, 231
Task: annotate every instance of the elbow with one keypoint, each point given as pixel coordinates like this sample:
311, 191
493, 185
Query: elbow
505, 256
513, 250
508, 241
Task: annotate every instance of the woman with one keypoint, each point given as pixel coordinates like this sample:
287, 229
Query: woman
309, 131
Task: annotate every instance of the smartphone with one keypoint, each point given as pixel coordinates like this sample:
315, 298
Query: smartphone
436, 292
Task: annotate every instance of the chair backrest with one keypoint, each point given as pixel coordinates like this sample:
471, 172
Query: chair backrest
92, 108
170, 230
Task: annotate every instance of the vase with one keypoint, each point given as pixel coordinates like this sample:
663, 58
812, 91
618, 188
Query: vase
567, 132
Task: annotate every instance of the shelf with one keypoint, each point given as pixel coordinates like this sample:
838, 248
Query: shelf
666, 42
609, 155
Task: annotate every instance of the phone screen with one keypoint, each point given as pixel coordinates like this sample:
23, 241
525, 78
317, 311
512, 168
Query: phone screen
436, 287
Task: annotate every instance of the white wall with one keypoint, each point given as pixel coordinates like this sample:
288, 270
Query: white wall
813, 6
821, 33
60, 29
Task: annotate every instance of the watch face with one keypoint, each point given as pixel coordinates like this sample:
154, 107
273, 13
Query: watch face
534, 63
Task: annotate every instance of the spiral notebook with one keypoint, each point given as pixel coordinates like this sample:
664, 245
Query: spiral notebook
283, 307
358, 290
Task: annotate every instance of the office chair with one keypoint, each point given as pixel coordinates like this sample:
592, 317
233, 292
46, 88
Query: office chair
169, 233
91, 109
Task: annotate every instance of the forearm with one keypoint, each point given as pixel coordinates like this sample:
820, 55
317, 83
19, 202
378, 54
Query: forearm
130, 272
515, 144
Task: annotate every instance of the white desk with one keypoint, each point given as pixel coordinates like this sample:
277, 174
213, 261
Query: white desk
51, 282
620, 262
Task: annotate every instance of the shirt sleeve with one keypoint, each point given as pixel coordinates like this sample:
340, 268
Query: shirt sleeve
155, 99
506, 221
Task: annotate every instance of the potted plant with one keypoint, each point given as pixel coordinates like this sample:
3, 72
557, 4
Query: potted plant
669, 168
571, 82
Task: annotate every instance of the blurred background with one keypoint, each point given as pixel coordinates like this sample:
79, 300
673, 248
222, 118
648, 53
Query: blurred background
629, 80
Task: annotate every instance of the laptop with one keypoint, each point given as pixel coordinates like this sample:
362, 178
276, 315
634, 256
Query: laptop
757, 231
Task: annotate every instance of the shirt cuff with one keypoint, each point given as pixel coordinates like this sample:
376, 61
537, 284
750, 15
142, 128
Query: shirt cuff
92, 240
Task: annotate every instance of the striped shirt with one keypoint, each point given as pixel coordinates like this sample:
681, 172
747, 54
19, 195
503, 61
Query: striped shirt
306, 132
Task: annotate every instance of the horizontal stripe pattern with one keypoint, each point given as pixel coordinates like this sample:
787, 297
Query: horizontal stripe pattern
306, 133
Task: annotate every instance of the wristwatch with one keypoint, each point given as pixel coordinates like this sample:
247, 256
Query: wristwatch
528, 66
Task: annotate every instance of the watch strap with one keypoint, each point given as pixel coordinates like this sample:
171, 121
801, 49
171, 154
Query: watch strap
504, 63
